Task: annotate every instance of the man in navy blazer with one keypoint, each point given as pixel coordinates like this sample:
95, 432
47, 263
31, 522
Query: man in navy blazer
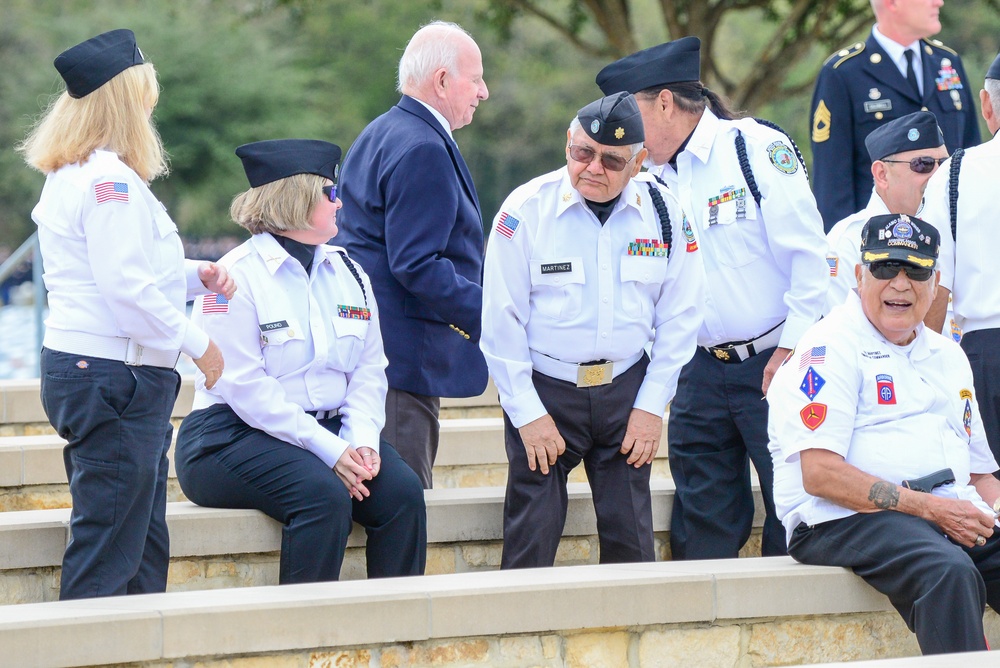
898, 70
411, 217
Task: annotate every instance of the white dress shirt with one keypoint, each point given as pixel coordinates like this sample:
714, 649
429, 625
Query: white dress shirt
764, 264
844, 253
114, 264
564, 286
295, 343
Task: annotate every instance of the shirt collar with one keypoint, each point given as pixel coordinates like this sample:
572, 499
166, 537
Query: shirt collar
895, 50
700, 143
568, 195
439, 116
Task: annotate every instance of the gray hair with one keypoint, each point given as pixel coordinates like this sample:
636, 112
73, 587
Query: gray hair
574, 125
992, 88
432, 47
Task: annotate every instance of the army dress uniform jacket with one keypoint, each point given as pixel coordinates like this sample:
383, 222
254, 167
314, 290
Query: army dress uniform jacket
411, 218
896, 412
295, 343
858, 90
559, 285
765, 264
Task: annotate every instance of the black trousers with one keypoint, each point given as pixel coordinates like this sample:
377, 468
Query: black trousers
592, 421
941, 589
224, 463
717, 426
982, 347
116, 421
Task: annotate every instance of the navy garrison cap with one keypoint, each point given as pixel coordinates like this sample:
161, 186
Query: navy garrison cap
267, 161
91, 64
900, 238
667, 63
907, 133
994, 71
613, 120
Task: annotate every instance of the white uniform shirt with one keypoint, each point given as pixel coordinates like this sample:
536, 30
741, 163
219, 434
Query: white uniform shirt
114, 264
294, 343
764, 264
969, 270
896, 412
844, 252
563, 285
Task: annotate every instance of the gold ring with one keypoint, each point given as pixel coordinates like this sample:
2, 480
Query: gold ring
980, 541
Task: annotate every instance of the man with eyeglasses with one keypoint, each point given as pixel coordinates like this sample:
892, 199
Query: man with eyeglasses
586, 267
961, 199
881, 463
904, 154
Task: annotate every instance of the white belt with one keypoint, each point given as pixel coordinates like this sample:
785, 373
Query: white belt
569, 372
116, 348
325, 415
741, 351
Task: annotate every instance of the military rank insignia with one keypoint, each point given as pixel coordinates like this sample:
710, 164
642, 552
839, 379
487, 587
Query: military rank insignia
648, 248
821, 123
354, 312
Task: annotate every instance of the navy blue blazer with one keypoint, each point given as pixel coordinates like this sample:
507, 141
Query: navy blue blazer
859, 89
411, 218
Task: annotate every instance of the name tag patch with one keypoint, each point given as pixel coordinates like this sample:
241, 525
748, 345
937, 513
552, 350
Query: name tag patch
557, 268
878, 105
271, 326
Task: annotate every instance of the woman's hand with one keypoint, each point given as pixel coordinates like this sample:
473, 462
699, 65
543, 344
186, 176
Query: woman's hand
351, 470
211, 364
215, 278
372, 461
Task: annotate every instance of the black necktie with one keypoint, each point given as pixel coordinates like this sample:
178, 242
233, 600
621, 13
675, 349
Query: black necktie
911, 76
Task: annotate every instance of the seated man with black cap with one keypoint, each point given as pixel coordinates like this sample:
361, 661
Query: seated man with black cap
587, 266
904, 153
293, 428
881, 463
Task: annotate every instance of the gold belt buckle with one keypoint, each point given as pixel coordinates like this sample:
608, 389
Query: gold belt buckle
592, 375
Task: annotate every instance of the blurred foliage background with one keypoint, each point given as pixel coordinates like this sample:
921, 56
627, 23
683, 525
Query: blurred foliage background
234, 71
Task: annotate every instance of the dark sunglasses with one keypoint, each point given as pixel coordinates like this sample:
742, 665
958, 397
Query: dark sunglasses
331, 192
886, 271
922, 165
612, 163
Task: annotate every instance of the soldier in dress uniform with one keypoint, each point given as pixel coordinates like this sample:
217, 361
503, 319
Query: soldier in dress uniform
896, 71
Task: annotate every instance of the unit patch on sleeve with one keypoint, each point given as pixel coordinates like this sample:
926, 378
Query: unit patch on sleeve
816, 355
886, 390
215, 303
812, 384
813, 415
507, 225
834, 262
782, 158
111, 191
967, 417
692, 245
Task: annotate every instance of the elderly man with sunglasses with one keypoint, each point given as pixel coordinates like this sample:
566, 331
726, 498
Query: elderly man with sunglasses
588, 267
881, 462
904, 154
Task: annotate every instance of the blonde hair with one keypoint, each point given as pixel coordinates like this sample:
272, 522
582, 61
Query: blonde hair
279, 206
115, 117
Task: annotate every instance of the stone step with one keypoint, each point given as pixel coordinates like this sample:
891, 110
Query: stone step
471, 454
214, 548
759, 612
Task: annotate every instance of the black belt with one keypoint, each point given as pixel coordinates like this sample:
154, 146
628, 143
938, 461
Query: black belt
735, 352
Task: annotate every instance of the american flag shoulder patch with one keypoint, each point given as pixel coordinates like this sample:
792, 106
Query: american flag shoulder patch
507, 224
111, 191
214, 303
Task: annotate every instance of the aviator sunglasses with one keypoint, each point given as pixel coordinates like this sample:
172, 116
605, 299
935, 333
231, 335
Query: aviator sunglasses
612, 163
921, 165
331, 192
888, 270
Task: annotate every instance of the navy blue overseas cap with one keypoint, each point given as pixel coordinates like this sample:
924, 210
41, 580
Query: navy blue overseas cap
994, 71
907, 133
900, 238
274, 159
91, 64
672, 62
613, 120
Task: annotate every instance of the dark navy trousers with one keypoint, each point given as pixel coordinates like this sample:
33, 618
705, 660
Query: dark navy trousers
939, 588
592, 421
717, 426
116, 421
222, 462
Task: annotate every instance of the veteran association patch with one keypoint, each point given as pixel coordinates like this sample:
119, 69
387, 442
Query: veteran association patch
782, 158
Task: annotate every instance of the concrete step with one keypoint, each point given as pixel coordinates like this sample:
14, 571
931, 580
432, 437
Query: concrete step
215, 548
746, 612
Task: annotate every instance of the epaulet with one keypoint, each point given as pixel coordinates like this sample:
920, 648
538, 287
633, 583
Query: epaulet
938, 44
845, 54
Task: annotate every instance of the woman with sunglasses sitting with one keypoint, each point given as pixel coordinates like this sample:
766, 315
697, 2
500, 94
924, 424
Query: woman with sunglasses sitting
293, 429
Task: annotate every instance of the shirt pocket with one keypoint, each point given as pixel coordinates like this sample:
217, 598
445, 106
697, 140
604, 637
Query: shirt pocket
736, 234
641, 278
557, 287
348, 344
281, 346
168, 252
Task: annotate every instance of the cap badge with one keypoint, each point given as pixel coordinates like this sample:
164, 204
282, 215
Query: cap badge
619, 133
902, 230
913, 134
595, 126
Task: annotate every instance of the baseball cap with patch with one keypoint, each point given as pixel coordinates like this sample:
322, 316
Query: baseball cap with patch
900, 238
